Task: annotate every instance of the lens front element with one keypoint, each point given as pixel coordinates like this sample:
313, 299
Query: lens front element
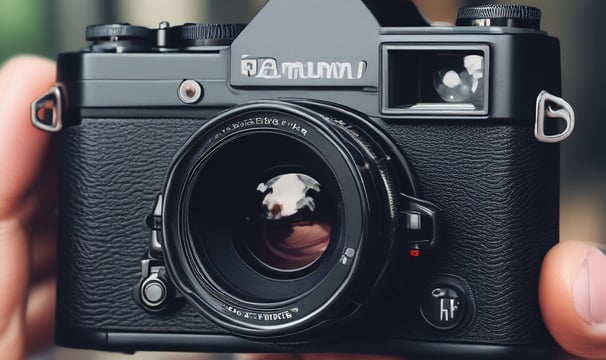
290, 231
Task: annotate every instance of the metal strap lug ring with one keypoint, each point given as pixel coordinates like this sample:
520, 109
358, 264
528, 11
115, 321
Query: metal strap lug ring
47, 110
562, 110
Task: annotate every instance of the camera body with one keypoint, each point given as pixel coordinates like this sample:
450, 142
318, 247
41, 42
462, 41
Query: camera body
194, 161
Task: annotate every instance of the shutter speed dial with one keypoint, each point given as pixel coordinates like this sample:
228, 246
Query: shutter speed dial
129, 38
500, 15
197, 35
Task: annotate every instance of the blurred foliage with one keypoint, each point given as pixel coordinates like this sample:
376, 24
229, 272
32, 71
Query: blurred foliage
24, 26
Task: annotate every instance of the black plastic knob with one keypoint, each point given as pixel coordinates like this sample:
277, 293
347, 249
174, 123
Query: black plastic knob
117, 31
193, 35
500, 15
119, 37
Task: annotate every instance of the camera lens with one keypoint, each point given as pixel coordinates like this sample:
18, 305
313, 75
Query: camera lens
270, 216
266, 224
290, 228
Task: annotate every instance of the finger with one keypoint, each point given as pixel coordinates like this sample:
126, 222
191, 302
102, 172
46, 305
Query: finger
327, 356
269, 357
22, 147
14, 277
40, 208
44, 192
40, 315
572, 295
43, 251
40, 203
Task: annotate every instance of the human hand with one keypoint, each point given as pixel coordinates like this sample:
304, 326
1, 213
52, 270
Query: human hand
27, 212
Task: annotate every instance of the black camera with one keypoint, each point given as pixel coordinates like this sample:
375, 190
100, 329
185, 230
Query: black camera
310, 182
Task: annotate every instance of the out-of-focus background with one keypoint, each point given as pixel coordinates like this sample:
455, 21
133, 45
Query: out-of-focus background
46, 27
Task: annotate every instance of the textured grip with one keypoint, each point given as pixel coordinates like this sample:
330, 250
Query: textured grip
498, 189
110, 174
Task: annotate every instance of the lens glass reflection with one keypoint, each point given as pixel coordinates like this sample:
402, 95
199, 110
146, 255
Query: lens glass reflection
458, 83
258, 210
291, 227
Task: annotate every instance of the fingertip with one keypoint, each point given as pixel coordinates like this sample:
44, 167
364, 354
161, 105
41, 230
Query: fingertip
564, 291
29, 72
22, 147
40, 315
25, 59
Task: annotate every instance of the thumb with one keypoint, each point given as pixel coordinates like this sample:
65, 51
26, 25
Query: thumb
572, 295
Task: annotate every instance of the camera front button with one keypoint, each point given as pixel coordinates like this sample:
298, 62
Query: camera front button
154, 293
447, 304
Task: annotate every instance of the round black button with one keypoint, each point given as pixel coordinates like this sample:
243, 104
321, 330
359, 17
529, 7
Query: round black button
447, 303
114, 32
119, 38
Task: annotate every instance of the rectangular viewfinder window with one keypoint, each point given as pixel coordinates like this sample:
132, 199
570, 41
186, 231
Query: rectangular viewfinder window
435, 80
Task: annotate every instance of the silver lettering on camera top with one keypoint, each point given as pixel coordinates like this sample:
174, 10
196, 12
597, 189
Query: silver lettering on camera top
249, 67
271, 69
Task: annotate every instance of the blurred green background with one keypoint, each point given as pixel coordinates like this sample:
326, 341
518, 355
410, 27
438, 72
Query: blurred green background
46, 27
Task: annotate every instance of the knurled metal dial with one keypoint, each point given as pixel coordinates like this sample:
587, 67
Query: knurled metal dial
500, 15
117, 32
189, 35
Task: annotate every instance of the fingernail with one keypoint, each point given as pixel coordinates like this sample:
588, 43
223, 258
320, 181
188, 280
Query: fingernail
589, 288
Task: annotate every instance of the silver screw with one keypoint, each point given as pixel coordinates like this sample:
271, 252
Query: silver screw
190, 91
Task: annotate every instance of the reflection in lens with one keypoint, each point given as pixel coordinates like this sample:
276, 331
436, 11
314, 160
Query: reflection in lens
458, 83
292, 223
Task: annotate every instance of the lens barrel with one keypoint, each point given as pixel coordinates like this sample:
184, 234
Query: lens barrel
267, 227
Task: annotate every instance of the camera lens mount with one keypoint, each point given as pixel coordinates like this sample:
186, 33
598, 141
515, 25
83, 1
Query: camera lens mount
267, 226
